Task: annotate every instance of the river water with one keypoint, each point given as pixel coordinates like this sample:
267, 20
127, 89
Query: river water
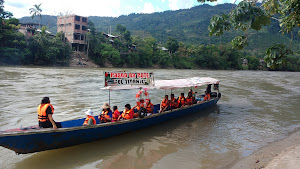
256, 108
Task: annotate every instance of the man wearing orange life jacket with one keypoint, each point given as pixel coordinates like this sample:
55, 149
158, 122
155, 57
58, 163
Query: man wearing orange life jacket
115, 114
127, 113
165, 104
45, 111
106, 114
90, 120
173, 102
150, 107
181, 100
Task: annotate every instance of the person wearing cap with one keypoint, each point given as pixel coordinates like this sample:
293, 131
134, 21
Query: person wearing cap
45, 112
90, 120
106, 114
127, 113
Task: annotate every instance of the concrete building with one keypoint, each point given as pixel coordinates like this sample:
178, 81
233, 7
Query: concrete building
28, 29
75, 29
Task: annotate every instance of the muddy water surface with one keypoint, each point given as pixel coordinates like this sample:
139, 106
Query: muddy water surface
256, 108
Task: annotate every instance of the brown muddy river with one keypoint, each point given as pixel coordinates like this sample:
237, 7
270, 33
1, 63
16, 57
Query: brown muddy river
256, 108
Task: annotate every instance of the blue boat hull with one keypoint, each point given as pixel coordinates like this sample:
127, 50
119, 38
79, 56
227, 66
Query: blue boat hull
46, 139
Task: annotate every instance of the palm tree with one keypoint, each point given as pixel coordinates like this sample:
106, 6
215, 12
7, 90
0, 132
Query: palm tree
36, 11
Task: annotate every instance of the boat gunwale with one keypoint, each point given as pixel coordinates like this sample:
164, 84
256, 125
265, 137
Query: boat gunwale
59, 130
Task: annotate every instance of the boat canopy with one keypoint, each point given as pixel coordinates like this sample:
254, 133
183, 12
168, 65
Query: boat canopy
170, 84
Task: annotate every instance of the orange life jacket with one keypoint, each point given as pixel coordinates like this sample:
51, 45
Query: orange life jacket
115, 115
207, 97
164, 103
149, 109
189, 100
141, 105
105, 114
173, 102
181, 100
86, 121
126, 115
42, 115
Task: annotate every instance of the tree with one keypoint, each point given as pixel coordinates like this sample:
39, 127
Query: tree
276, 56
36, 11
172, 44
246, 15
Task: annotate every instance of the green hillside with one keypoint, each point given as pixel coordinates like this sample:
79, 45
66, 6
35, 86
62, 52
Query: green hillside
186, 25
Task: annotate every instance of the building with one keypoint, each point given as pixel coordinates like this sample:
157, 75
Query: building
28, 29
75, 29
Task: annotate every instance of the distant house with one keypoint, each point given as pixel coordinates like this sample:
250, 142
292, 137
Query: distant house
75, 29
28, 29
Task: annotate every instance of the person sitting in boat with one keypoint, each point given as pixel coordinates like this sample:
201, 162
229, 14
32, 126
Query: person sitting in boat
150, 107
173, 102
115, 114
189, 99
165, 104
139, 105
208, 90
207, 96
181, 100
106, 114
90, 120
45, 112
193, 96
127, 113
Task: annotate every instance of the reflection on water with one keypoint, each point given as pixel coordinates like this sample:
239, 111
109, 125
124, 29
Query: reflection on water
256, 108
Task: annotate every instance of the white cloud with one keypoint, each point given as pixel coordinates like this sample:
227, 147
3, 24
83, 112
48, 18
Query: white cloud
148, 8
173, 4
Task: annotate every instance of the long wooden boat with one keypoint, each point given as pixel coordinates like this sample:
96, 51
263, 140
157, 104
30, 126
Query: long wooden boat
34, 139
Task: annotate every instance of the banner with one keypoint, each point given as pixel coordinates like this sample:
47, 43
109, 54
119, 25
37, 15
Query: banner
125, 78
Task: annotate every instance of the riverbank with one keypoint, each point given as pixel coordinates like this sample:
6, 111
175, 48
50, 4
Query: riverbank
281, 154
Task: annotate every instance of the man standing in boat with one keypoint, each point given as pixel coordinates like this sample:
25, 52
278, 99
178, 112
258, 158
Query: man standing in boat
45, 112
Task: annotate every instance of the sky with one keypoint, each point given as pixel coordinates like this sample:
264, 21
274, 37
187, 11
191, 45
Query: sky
113, 8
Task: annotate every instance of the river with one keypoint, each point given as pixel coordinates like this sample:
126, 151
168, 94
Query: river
256, 108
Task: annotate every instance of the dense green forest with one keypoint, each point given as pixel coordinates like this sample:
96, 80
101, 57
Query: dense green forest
142, 36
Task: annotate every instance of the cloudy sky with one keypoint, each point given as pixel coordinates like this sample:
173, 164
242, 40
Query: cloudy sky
114, 8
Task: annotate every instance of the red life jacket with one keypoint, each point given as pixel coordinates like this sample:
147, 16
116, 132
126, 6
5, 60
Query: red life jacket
42, 115
86, 121
115, 115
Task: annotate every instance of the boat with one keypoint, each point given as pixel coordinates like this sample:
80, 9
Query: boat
34, 139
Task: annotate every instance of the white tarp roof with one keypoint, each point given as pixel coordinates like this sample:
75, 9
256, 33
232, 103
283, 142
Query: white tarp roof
170, 84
